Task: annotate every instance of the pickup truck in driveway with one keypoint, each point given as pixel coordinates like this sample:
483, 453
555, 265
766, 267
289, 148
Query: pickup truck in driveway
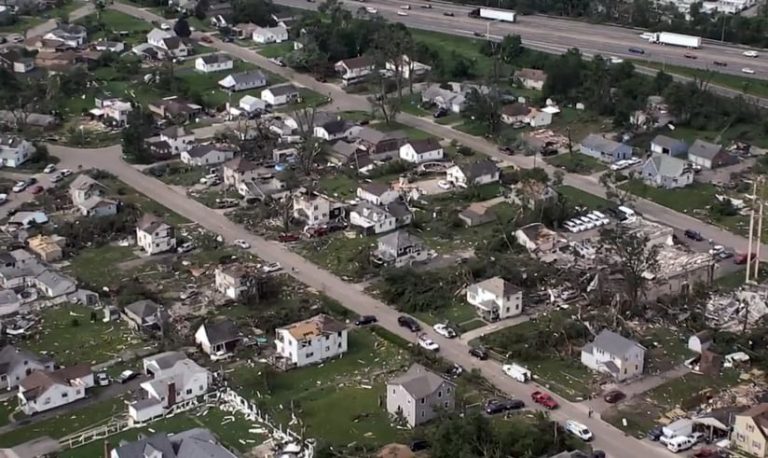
544, 399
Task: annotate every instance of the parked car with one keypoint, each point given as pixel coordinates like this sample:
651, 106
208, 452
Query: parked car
288, 238
544, 399
206, 39
56, 177
428, 344
3, 198
494, 406
242, 244
741, 258
408, 322
185, 247
445, 330
578, 430
723, 255
506, 150
693, 235
102, 379
36, 190
440, 112
271, 267
365, 319
613, 396
49, 168
65, 172
654, 433
418, 444
444, 184
479, 353
30, 181
126, 376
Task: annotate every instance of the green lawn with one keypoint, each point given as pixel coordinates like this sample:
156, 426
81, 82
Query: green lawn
667, 348
411, 132
276, 49
26, 22
455, 314
6, 408
744, 84
180, 174
583, 198
338, 185
122, 191
682, 391
118, 22
338, 400
65, 424
98, 266
346, 257
446, 45
576, 163
87, 342
685, 200
578, 124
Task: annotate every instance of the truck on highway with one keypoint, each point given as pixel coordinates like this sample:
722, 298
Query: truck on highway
675, 39
494, 15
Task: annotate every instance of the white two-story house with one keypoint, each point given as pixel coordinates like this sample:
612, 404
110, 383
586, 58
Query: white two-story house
230, 280
155, 236
495, 299
311, 341
419, 151
44, 390
614, 354
14, 150
377, 193
315, 209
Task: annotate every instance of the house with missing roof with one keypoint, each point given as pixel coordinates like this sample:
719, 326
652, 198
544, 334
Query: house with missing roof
238, 170
72, 35
419, 395
495, 299
400, 249
709, 155
145, 315
243, 81
208, 154
373, 219
218, 339
354, 70
88, 195
155, 236
16, 364
476, 173
315, 209
46, 390
668, 172
531, 78
311, 341
175, 379
614, 354
211, 63
230, 280
604, 149
192, 443
420, 151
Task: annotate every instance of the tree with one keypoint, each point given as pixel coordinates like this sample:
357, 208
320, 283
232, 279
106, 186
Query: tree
257, 11
632, 254
310, 149
511, 48
391, 44
181, 28
201, 9
611, 182
484, 107
139, 128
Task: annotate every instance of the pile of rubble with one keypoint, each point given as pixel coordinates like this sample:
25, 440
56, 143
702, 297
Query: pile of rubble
729, 311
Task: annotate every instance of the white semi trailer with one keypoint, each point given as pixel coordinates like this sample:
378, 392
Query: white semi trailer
494, 15
675, 39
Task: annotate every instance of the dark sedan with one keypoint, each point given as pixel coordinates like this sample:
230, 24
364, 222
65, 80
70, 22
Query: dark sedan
365, 319
613, 396
495, 406
409, 323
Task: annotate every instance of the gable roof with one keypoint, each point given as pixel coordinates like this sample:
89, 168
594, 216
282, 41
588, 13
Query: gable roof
175, 132
374, 136
424, 146
241, 165
599, 143
531, 74
336, 126
668, 166
479, 168
375, 188
515, 109
418, 381
497, 286
83, 183
357, 62
703, 149
220, 332
399, 239
150, 223
248, 77
316, 326
11, 357
282, 89
613, 343
143, 308
199, 151
217, 58
39, 382
669, 142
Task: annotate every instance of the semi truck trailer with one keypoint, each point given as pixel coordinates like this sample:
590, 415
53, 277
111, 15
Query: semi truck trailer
675, 39
494, 15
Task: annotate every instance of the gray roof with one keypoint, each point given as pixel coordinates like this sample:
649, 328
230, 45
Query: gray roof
573, 454
200, 447
497, 286
344, 149
424, 146
614, 344
150, 223
376, 188
55, 281
669, 142
216, 59
418, 381
375, 136
143, 308
600, 143
167, 359
399, 239
41, 446
143, 447
220, 332
249, 77
336, 126
11, 356
83, 182
398, 209
479, 168
668, 166
283, 89
703, 149
201, 150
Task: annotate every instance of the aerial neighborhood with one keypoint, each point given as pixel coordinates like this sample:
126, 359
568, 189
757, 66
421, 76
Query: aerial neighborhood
270, 229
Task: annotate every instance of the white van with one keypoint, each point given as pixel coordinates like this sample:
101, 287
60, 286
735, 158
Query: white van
680, 443
628, 212
517, 372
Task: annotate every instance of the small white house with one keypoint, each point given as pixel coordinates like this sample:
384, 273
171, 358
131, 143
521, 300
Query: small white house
214, 63
281, 94
614, 354
377, 193
168, 42
14, 150
265, 35
218, 339
201, 155
178, 139
480, 172
336, 129
243, 81
420, 151
154, 236
43, 390
495, 299
311, 341
354, 70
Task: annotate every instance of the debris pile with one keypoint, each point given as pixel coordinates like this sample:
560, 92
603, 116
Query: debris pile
730, 311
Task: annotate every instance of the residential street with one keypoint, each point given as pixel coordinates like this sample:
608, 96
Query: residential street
344, 101
50, 24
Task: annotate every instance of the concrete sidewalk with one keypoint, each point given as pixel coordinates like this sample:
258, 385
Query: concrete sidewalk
493, 327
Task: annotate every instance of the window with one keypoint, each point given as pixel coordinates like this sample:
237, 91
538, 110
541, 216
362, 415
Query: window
448, 390
189, 391
423, 400
755, 444
310, 354
327, 348
751, 428
445, 404
422, 414
65, 395
439, 394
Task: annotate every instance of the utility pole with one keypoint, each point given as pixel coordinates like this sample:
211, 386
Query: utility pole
761, 184
751, 230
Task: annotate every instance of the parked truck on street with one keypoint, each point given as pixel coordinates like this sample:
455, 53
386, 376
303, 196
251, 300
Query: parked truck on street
494, 15
675, 39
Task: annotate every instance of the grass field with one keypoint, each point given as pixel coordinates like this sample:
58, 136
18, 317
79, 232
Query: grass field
446, 45
583, 198
276, 49
685, 200
346, 257
576, 163
129, 195
85, 342
98, 266
744, 84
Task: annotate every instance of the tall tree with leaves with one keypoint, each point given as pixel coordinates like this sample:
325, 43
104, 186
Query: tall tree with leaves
392, 43
310, 149
134, 142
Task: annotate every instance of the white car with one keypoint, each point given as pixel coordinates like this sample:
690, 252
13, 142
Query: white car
619, 165
20, 186
242, 244
634, 161
49, 168
716, 249
102, 379
428, 344
575, 226
271, 267
3, 198
603, 219
65, 172
750, 53
444, 330
165, 26
406, 7
401, 13
748, 71
444, 184
616, 60
371, 9
570, 226
578, 430
588, 223
56, 177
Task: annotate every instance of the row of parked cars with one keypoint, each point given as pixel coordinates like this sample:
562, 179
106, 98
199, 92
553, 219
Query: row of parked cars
590, 220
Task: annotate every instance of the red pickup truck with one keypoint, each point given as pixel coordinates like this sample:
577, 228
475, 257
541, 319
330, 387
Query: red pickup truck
540, 397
